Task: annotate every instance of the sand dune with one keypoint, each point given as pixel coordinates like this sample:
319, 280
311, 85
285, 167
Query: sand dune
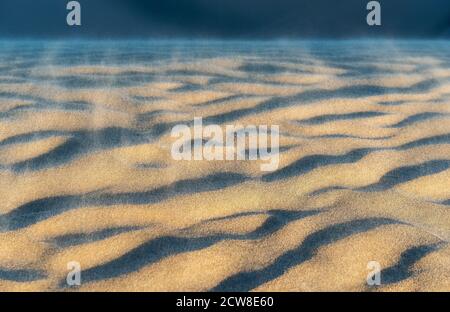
86, 173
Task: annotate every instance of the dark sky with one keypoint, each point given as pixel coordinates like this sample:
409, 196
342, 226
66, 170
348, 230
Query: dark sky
224, 18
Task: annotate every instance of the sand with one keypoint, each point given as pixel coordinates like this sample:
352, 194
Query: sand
86, 173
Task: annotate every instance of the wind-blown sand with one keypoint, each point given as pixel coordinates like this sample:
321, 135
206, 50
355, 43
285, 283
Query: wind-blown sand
86, 172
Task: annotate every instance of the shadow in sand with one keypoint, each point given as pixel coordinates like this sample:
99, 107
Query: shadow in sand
309, 96
434, 140
159, 248
402, 269
262, 68
246, 281
80, 143
41, 209
224, 100
83, 238
47, 106
21, 276
124, 79
347, 136
407, 173
417, 118
326, 190
319, 120
33, 136
309, 163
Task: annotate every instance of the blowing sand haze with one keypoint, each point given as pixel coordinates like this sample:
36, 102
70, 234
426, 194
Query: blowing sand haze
87, 175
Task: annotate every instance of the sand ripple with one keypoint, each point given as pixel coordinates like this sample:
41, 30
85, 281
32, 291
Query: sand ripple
86, 173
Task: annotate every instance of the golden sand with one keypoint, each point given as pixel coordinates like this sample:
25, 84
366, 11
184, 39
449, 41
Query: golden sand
135, 219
